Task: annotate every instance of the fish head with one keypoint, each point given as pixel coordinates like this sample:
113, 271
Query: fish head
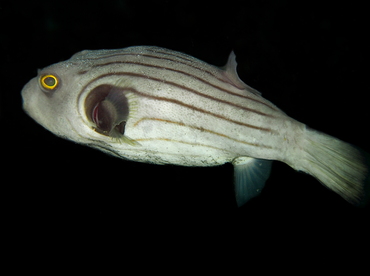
60, 99
50, 98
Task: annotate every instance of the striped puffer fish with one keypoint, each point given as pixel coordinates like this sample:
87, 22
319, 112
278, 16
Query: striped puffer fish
154, 105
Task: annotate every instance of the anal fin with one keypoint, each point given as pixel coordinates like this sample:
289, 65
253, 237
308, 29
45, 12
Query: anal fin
250, 175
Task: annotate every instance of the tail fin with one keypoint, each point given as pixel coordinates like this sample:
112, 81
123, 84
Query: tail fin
339, 166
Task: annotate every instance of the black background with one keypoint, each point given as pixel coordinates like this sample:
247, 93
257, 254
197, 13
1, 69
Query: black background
307, 58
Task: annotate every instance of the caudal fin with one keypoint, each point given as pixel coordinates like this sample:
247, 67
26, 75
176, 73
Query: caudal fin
339, 166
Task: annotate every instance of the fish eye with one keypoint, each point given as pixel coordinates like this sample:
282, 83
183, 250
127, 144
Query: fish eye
49, 82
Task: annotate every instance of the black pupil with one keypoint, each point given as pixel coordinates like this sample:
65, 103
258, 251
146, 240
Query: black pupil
49, 81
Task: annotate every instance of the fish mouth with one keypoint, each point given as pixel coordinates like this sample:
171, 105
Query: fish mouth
107, 108
26, 95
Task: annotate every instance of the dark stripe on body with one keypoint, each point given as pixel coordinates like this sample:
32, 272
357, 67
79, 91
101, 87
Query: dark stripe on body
192, 90
178, 71
200, 129
173, 100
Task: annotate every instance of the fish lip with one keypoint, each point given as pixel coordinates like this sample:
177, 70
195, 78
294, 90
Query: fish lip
25, 95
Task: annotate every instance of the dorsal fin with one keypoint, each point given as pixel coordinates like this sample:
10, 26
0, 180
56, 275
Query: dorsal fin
231, 75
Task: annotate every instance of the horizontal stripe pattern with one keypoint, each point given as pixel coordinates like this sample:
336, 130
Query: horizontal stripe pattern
192, 107
200, 129
187, 73
168, 79
190, 89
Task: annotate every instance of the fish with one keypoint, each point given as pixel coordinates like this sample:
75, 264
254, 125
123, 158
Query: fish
155, 105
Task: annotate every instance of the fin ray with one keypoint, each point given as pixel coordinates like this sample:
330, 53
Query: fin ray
338, 165
250, 175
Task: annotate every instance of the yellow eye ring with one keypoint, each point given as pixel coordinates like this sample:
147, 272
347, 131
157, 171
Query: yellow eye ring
49, 82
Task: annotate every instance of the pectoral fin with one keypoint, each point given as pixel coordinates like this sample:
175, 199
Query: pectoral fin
250, 175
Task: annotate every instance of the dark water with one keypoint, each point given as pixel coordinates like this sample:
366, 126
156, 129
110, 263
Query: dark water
308, 59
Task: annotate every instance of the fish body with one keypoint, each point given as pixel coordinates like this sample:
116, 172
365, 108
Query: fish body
150, 104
